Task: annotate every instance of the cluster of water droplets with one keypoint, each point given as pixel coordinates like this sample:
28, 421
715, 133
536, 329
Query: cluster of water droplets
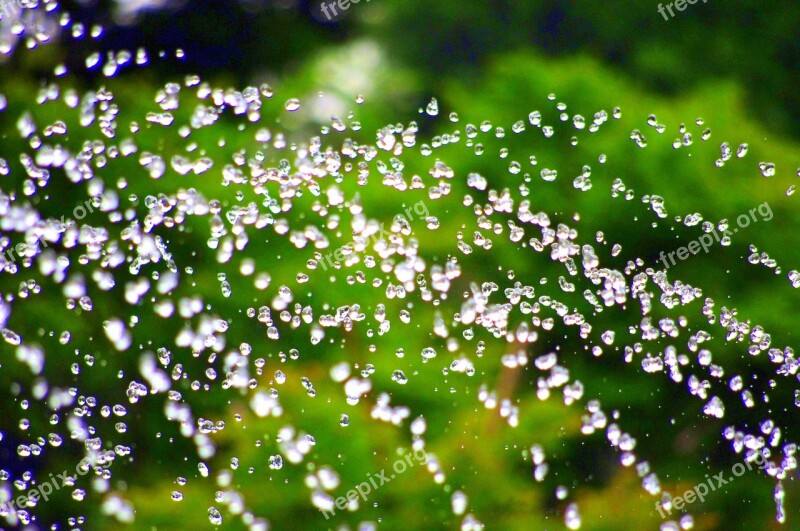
293, 202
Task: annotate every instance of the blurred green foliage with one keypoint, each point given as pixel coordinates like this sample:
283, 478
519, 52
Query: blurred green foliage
486, 61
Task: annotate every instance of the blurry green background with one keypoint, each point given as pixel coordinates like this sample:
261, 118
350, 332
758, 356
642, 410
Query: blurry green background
735, 64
